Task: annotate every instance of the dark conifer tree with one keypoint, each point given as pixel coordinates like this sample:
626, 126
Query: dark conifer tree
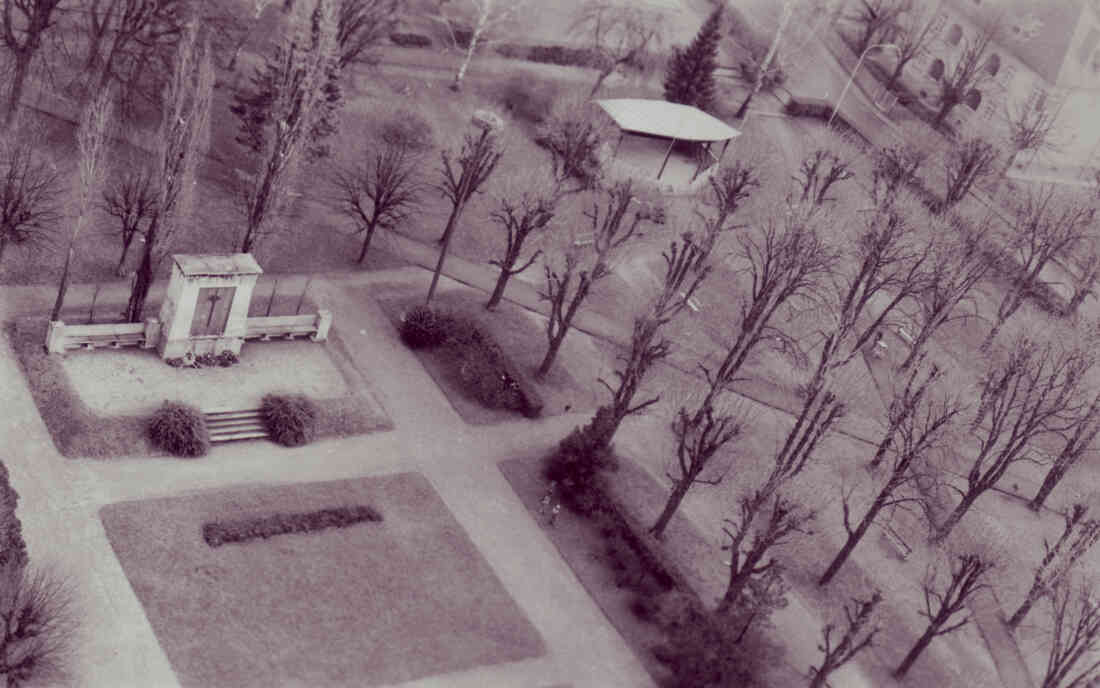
689, 78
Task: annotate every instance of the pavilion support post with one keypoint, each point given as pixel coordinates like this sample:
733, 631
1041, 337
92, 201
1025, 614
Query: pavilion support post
702, 159
668, 154
723, 153
618, 143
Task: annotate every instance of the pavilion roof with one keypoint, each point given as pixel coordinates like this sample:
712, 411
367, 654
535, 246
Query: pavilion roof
667, 120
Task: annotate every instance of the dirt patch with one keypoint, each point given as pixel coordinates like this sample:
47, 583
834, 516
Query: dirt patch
276, 612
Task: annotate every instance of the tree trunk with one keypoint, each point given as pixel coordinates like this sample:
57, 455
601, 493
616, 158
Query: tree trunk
941, 114
744, 107
461, 74
63, 285
919, 342
366, 241
126, 241
1033, 596
988, 341
599, 82
551, 352
953, 520
19, 78
914, 653
853, 538
444, 241
3, 245
896, 74
674, 498
498, 290
1050, 481
144, 278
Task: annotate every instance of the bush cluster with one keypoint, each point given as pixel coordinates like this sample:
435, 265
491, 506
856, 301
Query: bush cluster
423, 327
406, 129
218, 533
410, 40
289, 420
180, 430
528, 100
580, 462
207, 360
550, 54
481, 367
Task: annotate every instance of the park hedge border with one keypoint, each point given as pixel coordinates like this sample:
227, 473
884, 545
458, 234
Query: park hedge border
218, 533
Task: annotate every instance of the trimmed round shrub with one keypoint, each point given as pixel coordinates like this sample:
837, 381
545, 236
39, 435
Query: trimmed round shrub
406, 129
180, 430
410, 40
290, 420
527, 99
423, 328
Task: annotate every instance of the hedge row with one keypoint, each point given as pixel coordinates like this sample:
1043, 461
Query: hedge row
551, 54
219, 533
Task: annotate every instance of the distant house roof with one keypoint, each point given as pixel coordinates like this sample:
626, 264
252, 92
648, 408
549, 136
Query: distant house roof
1036, 32
232, 264
667, 120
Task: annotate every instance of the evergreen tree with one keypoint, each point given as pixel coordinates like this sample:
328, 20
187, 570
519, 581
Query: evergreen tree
690, 75
13, 551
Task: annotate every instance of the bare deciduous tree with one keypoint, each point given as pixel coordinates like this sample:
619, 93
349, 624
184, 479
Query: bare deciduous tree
964, 165
1077, 538
1031, 126
967, 575
23, 28
955, 270
1086, 426
1075, 637
700, 434
728, 188
131, 199
91, 143
618, 34
181, 140
1084, 284
379, 193
573, 139
1034, 392
360, 26
969, 71
122, 33
874, 17
891, 266
616, 217
291, 118
686, 266
895, 168
855, 638
915, 428
475, 163
1047, 223
911, 33
29, 189
489, 17
520, 219
818, 173
784, 520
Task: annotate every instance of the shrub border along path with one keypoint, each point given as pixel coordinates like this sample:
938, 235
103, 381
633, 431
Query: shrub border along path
78, 431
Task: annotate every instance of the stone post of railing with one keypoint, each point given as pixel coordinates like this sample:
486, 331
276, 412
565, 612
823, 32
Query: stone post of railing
324, 322
152, 333
55, 337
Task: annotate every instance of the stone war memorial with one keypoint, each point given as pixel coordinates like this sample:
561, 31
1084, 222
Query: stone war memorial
204, 311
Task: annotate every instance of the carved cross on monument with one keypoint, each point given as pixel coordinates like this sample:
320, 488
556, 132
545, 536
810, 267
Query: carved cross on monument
213, 299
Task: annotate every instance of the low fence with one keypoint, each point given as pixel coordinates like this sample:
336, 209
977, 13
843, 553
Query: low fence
61, 337
314, 325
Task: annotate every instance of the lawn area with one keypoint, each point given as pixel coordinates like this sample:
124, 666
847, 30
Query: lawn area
276, 612
88, 401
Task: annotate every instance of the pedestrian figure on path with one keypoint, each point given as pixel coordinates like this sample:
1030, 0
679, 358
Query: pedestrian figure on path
554, 513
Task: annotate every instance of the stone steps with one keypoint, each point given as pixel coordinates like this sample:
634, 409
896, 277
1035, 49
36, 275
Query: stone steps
227, 426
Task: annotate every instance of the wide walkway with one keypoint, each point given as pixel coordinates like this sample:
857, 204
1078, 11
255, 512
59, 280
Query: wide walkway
61, 498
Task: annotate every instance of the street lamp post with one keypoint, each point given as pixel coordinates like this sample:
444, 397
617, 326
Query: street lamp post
848, 85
